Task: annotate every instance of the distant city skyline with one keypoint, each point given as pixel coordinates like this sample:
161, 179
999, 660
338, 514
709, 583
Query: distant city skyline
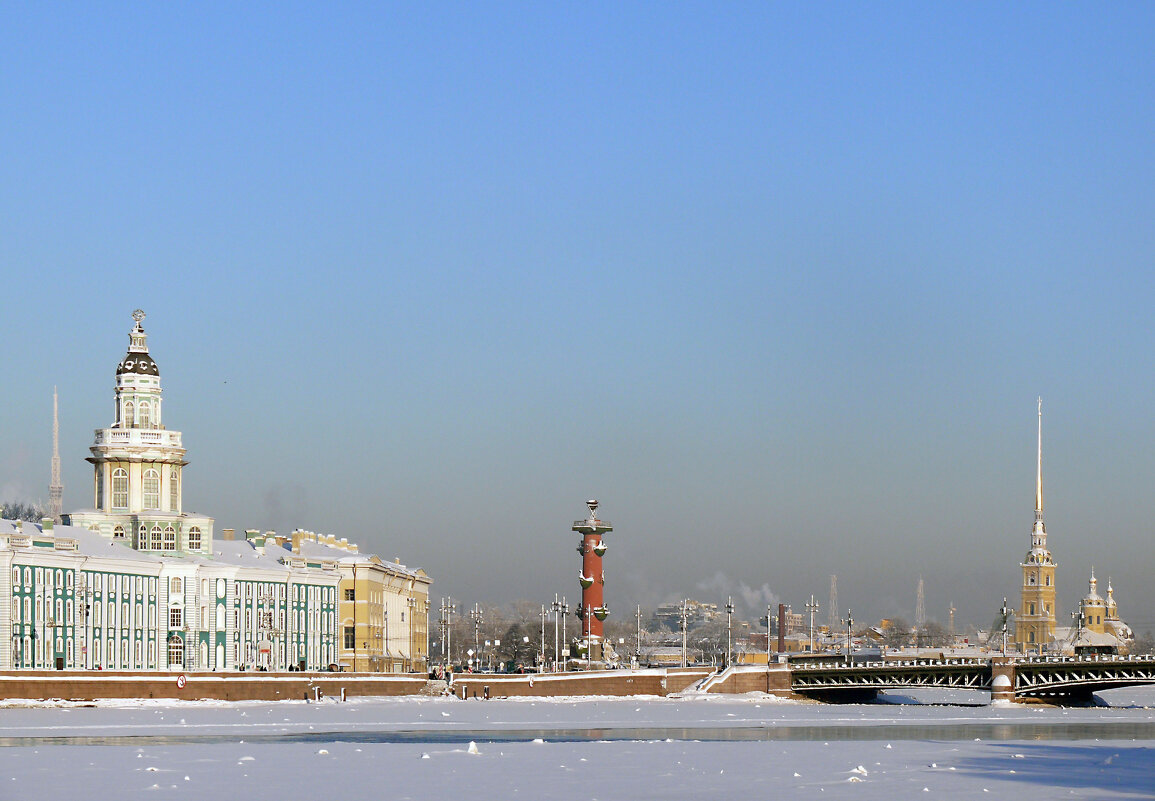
778, 286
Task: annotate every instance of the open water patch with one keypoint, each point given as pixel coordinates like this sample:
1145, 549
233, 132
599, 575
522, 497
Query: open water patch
981, 730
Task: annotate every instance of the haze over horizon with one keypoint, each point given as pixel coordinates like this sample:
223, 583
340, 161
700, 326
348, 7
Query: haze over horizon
778, 285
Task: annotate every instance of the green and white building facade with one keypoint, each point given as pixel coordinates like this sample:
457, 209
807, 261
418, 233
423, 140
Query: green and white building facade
136, 583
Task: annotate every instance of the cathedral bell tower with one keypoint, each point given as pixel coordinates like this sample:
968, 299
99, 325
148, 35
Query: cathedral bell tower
1035, 623
138, 463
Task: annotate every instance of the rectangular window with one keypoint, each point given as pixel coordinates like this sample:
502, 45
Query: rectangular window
175, 617
350, 638
350, 595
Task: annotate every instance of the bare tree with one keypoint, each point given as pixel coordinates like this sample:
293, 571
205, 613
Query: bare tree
14, 510
897, 634
933, 635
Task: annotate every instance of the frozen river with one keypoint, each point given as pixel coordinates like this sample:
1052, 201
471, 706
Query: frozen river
696, 747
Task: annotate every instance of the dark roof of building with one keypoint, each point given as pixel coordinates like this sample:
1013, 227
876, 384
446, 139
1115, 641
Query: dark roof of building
137, 362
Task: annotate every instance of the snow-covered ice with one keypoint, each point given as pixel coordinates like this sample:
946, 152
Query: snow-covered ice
566, 749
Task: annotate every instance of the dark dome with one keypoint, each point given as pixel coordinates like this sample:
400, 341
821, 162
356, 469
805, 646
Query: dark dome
140, 363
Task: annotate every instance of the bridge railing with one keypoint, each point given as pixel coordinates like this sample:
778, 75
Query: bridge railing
1059, 660
887, 664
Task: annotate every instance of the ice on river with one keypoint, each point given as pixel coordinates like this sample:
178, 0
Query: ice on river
565, 749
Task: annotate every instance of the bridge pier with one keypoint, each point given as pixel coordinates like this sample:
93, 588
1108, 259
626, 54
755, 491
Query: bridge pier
779, 679
1002, 679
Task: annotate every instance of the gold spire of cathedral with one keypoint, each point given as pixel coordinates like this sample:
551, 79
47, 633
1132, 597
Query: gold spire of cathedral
1035, 625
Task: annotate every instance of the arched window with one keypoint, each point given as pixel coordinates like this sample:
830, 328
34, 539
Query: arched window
128, 421
173, 492
154, 541
194, 539
1048, 580
1031, 637
176, 652
169, 538
151, 489
120, 488
174, 586
144, 414
142, 538
118, 533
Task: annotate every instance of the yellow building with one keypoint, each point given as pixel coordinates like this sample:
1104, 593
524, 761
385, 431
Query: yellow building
383, 608
1101, 615
1035, 622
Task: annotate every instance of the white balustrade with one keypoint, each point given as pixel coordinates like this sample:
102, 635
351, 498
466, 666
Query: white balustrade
142, 437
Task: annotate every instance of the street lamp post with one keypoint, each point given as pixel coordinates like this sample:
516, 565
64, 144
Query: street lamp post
556, 608
543, 617
729, 639
447, 609
812, 607
477, 617
849, 629
638, 652
769, 625
425, 626
1006, 614
685, 614
564, 638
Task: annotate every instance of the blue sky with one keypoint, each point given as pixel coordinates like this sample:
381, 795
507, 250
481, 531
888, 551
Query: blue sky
778, 284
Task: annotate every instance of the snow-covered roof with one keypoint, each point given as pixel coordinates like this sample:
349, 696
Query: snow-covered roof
1093, 639
238, 553
317, 550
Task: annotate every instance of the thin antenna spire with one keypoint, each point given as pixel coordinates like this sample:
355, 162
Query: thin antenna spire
56, 488
920, 608
832, 609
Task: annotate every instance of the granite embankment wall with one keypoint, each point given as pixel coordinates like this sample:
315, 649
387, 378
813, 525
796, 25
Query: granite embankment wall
657, 681
750, 678
91, 685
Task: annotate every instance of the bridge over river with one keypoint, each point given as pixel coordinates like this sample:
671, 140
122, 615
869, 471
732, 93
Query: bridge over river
1057, 679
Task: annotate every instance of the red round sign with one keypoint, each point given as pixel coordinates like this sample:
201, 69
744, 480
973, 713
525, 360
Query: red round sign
180, 681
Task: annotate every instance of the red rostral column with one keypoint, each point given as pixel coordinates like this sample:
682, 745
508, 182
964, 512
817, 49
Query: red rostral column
593, 607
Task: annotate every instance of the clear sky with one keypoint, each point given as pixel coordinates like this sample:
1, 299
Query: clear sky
777, 283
